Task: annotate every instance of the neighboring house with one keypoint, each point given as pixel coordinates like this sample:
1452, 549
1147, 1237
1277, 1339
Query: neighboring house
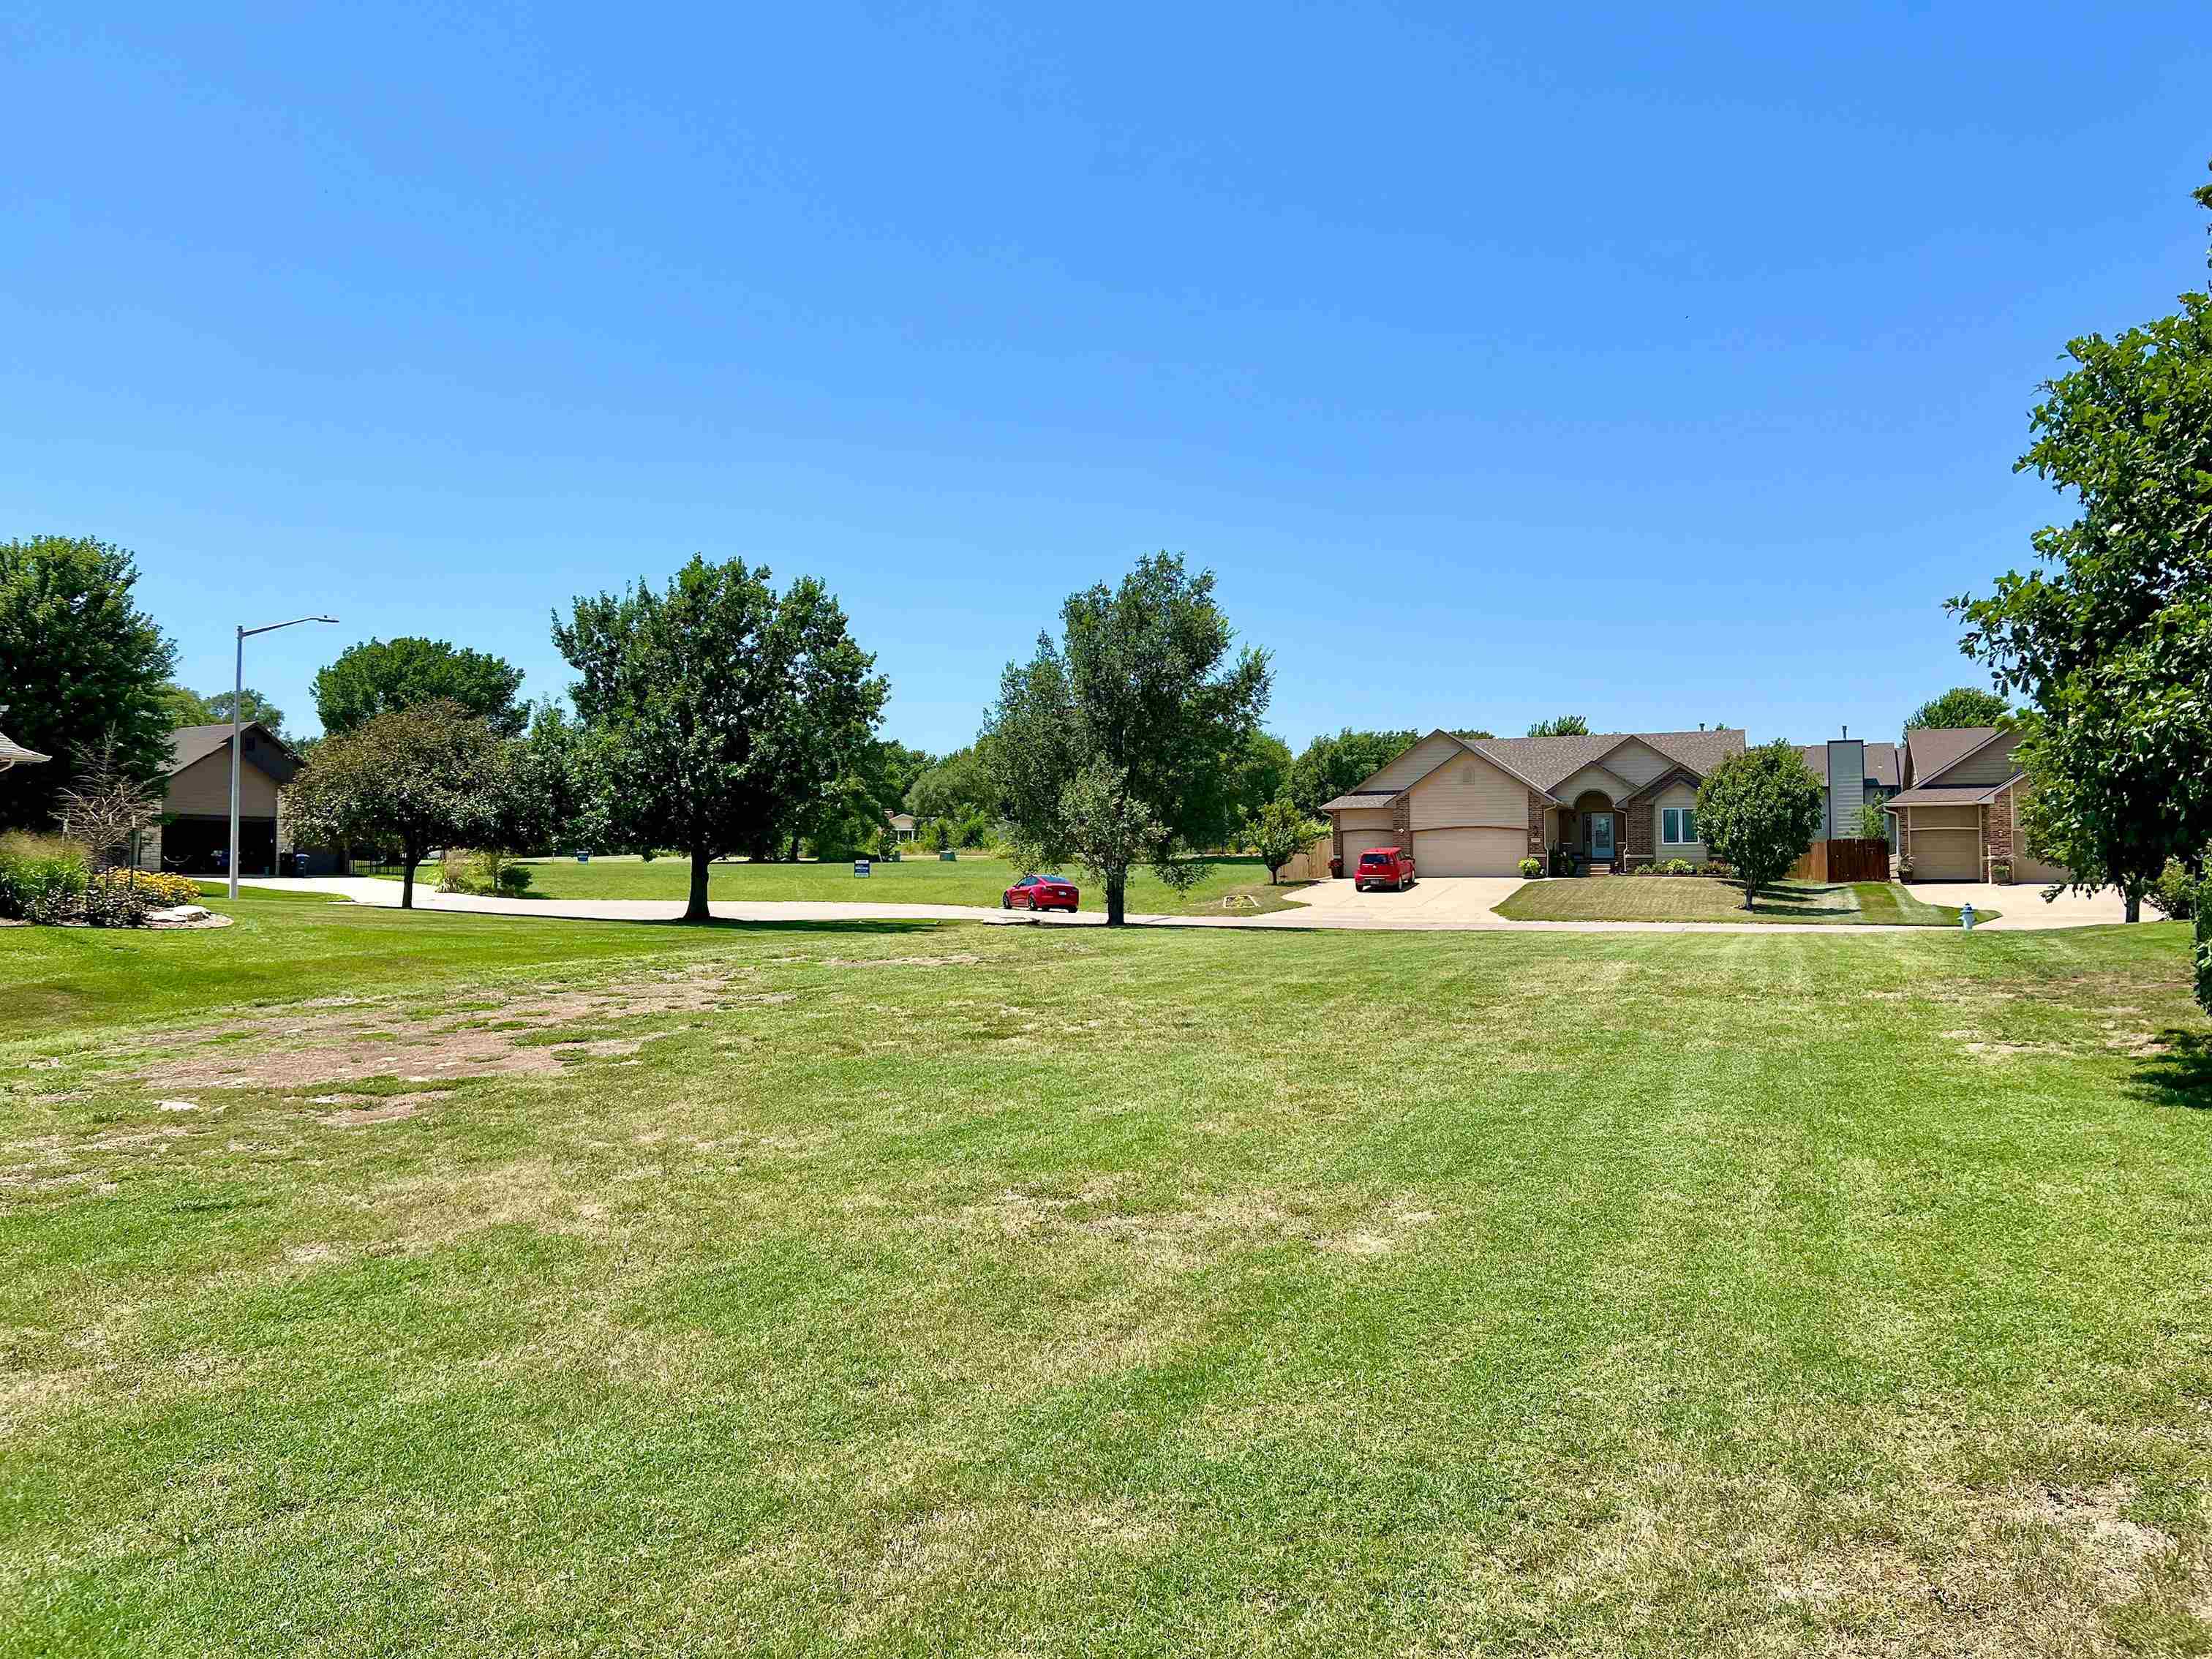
1879, 779
195, 829
14, 754
1958, 811
902, 825
1477, 806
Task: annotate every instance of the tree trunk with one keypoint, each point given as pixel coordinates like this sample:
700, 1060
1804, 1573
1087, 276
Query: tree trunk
697, 910
407, 882
794, 848
2135, 905
1117, 898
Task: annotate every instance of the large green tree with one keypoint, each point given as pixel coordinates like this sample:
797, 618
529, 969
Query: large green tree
1106, 746
727, 710
2109, 635
955, 788
370, 678
1259, 771
79, 665
1561, 725
1962, 705
1333, 763
1759, 811
431, 774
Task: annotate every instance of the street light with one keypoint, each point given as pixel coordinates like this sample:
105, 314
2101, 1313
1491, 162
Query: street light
237, 698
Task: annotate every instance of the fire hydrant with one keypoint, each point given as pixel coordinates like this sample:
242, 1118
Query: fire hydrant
1966, 916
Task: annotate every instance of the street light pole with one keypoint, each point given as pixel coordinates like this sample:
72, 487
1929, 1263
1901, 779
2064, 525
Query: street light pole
237, 723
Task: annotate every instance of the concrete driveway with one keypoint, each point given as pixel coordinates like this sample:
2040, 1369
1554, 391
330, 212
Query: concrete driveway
2022, 904
1436, 904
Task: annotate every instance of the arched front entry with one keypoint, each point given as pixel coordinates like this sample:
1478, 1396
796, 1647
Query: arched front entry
1595, 832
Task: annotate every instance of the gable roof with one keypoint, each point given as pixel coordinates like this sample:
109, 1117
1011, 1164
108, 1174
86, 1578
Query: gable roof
14, 754
1934, 750
191, 745
1550, 762
1881, 762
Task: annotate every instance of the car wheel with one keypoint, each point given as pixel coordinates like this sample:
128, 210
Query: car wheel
1033, 904
1005, 903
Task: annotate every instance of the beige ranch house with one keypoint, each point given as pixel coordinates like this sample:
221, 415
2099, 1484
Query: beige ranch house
1477, 806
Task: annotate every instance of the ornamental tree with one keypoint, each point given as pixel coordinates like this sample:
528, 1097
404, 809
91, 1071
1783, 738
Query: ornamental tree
1106, 746
1279, 832
1759, 811
79, 662
726, 711
432, 775
2110, 634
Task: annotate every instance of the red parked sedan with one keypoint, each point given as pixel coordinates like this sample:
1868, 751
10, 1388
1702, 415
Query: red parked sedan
1041, 893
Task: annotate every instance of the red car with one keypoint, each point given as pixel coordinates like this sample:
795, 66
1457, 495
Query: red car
1384, 866
1041, 893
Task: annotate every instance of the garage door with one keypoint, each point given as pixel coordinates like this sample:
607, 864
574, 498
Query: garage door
1469, 852
1356, 841
1947, 855
2024, 868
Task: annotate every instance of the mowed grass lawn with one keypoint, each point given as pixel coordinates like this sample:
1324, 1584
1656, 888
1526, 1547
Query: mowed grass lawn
1699, 898
1236, 886
442, 1284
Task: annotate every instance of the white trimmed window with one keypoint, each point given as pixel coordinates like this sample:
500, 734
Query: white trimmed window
1677, 826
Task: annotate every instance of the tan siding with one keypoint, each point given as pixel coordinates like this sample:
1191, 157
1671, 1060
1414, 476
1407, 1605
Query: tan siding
204, 787
1674, 794
1638, 762
1472, 793
1591, 778
1946, 817
1993, 765
1420, 758
1363, 817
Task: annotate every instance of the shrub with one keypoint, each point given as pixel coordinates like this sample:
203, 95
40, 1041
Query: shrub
483, 871
42, 878
2000, 872
161, 892
1531, 868
1681, 867
1717, 867
2176, 894
113, 899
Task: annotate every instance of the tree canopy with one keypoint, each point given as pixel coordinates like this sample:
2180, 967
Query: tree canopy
184, 706
1962, 705
1279, 832
1333, 763
1759, 811
2109, 634
379, 675
726, 711
80, 665
1106, 746
1561, 725
431, 774
956, 787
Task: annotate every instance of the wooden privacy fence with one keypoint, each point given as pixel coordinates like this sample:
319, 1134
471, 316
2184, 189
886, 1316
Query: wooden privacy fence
1855, 859
1312, 865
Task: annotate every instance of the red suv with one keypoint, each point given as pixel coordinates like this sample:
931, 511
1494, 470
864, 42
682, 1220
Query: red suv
1384, 866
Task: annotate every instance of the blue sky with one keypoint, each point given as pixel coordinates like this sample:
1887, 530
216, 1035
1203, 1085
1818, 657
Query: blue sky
1501, 360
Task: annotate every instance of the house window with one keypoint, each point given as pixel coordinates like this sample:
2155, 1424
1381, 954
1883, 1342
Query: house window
1677, 826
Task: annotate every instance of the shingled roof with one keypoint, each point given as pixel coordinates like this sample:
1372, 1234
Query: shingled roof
14, 754
1934, 750
1548, 763
191, 743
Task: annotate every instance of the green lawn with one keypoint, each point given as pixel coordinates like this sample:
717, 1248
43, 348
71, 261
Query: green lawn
531, 1286
1697, 898
1237, 885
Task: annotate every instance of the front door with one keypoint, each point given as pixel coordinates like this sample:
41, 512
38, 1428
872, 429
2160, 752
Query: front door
1600, 837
